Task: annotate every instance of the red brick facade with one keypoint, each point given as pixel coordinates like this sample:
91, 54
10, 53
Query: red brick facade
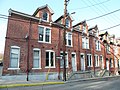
20, 25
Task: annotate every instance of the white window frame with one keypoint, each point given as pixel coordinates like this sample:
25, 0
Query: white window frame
97, 62
111, 63
47, 16
84, 29
68, 21
67, 39
102, 61
50, 58
108, 49
98, 46
11, 68
44, 34
61, 66
37, 49
90, 61
85, 43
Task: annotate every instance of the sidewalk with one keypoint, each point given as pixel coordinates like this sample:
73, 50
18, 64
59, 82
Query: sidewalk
9, 84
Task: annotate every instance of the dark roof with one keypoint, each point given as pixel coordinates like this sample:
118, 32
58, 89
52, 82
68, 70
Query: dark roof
42, 7
95, 28
59, 18
82, 22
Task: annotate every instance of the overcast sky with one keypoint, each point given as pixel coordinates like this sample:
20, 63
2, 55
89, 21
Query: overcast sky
85, 9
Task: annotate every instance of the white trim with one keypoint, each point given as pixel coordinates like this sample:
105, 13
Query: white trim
67, 64
68, 39
83, 58
91, 60
36, 68
17, 47
49, 59
44, 28
97, 59
37, 49
75, 60
13, 68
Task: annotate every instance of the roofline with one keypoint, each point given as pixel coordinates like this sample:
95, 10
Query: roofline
52, 12
22, 14
79, 23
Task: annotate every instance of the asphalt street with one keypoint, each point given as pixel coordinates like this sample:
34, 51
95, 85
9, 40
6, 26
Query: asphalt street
87, 85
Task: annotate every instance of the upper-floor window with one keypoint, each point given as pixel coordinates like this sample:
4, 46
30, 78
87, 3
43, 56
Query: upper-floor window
50, 58
44, 34
45, 16
85, 43
108, 48
96, 61
98, 47
36, 58
69, 39
67, 22
89, 60
14, 57
84, 29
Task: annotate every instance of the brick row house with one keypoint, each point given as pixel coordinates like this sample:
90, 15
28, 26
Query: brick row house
33, 43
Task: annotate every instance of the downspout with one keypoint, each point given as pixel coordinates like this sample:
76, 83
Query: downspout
28, 50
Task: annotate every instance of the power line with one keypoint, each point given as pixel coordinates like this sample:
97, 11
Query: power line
110, 27
90, 5
103, 15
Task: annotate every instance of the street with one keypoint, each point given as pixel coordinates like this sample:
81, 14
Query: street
85, 85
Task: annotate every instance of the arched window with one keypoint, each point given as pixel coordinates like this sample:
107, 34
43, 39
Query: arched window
45, 16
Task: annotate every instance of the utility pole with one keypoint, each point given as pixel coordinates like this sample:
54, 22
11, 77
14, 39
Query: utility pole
64, 39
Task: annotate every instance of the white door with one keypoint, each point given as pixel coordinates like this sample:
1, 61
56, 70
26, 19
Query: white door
82, 62
107, 65
74, 66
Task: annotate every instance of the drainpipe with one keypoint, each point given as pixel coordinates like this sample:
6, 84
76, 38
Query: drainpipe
28, 48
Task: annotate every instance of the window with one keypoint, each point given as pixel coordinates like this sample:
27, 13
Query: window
44, 34
101, 62
89, 60
98, 45
85, 43
45, 16
62, 61
67, 22
111, 62
50, 58
96, 61
108, 48
69, 39
14, 57
84, 29
36, 58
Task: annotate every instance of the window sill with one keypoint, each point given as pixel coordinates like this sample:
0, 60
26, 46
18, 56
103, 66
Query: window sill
36, 68
44, 42
98, 50
50, 67
13, 68
69, 46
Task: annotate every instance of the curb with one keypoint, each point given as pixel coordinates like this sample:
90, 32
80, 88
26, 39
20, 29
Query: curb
31, 84
95, 79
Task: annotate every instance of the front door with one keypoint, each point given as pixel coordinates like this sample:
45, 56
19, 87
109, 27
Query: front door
74, 66
82, 62
107, 64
